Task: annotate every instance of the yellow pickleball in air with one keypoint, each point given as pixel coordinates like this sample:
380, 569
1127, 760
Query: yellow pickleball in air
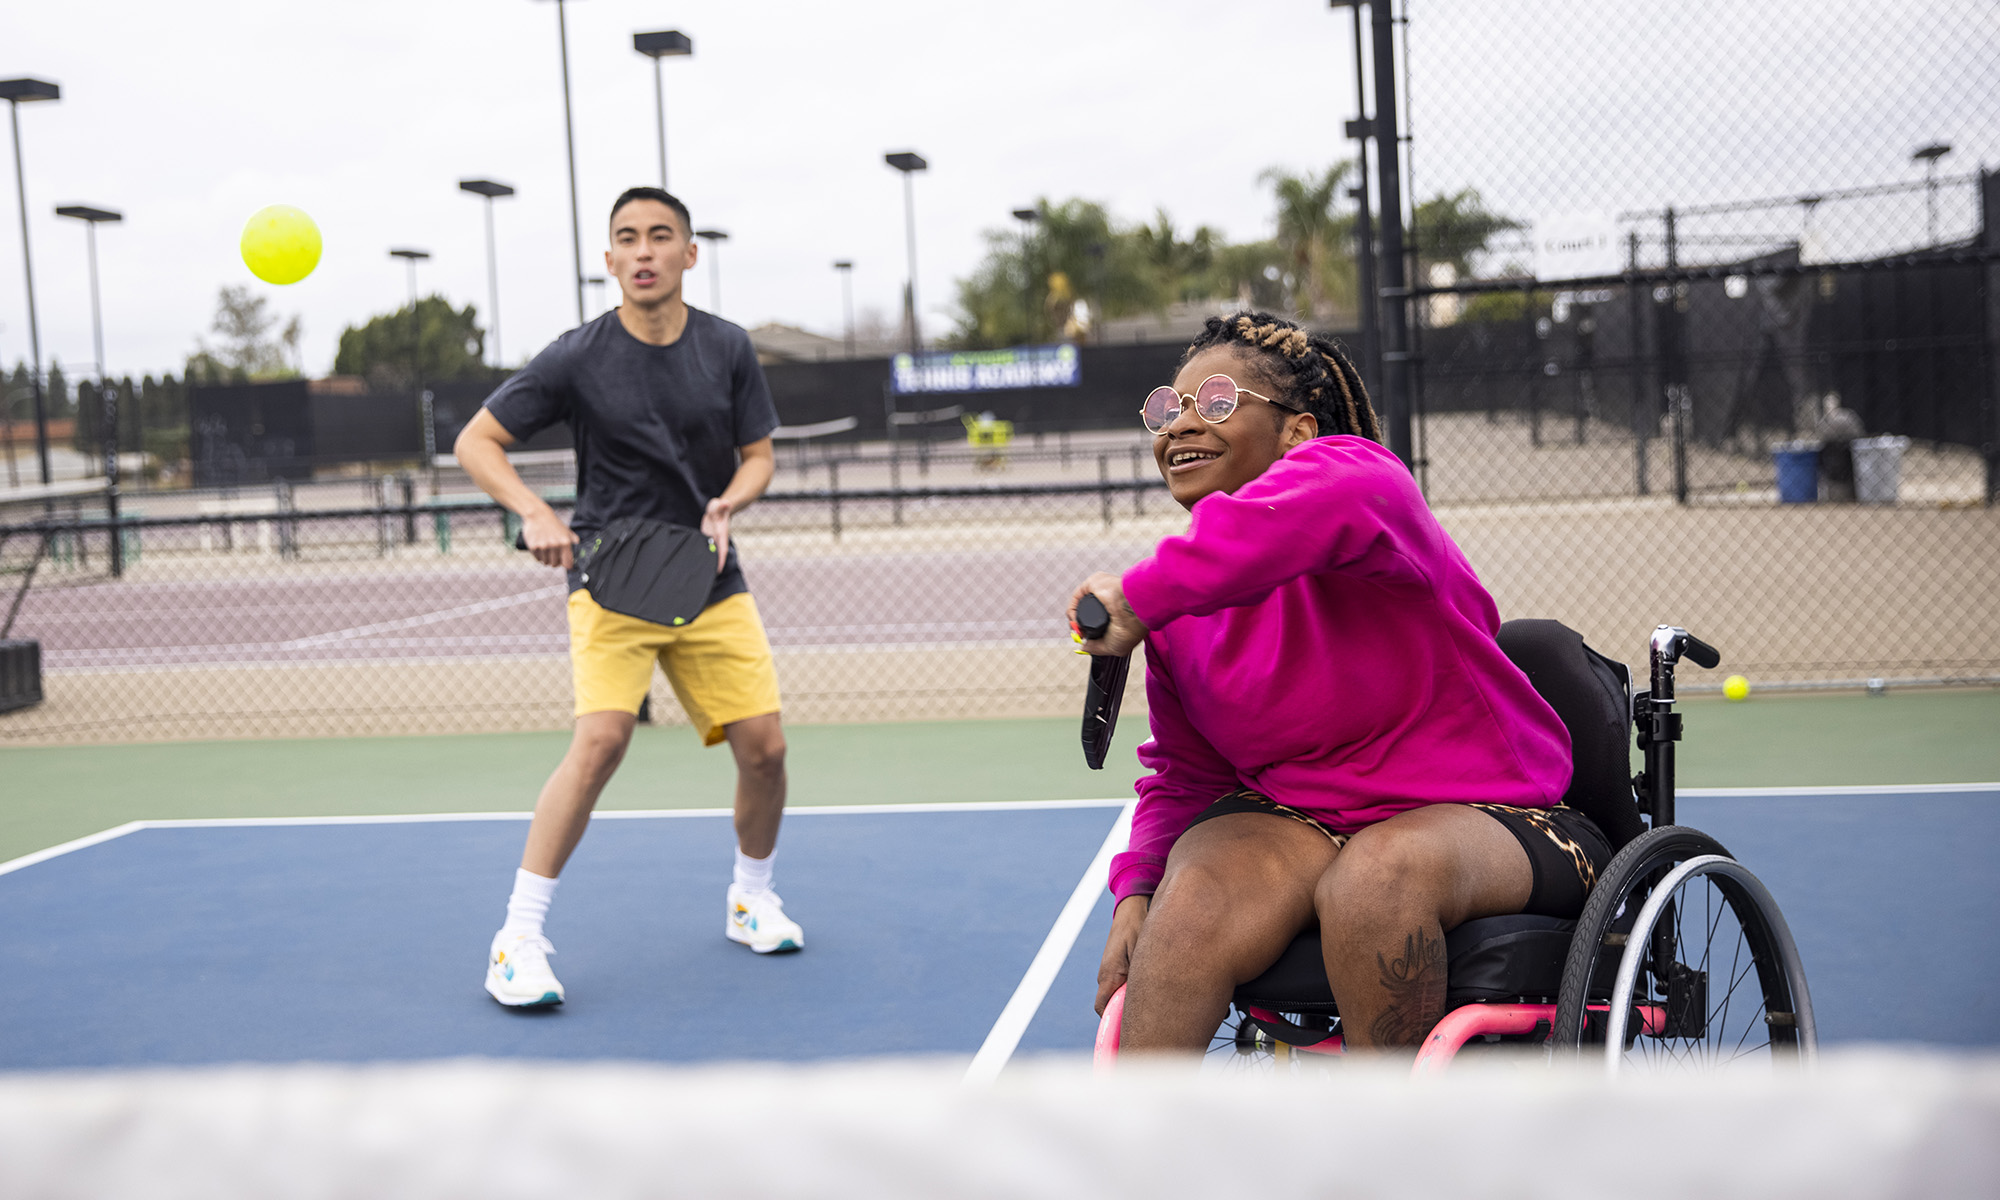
280, 244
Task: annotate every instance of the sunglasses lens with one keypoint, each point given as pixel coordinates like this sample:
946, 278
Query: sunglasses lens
1215, 399
1163, 404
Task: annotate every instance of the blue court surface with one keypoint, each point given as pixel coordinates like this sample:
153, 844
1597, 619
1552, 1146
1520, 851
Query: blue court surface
931, 929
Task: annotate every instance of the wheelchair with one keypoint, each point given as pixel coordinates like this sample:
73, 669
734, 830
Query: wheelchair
1680, 959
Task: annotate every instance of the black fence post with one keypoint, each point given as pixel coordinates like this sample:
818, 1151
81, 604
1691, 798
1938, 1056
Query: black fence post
111, 473
833, 493
1989, 287
1138, 494
1104, 485
895, 489
1534, 362
1644, 425
409, 485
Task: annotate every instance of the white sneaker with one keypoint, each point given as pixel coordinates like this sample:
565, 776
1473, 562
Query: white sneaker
517, 971
758, 920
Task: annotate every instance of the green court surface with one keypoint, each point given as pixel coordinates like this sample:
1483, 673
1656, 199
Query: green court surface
49, 795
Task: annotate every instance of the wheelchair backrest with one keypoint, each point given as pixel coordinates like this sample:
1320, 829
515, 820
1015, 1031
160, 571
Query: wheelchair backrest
1591, 694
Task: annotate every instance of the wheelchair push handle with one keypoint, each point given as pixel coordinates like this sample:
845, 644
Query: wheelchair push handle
1701, 653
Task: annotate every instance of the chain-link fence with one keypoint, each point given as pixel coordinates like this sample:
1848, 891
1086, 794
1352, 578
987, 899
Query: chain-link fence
1705, 325
1698, 288
894, 588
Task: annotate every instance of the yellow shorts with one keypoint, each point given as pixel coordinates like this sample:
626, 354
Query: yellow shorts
719, 664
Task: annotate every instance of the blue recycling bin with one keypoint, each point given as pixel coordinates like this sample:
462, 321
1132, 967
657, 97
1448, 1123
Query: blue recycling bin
1798, 472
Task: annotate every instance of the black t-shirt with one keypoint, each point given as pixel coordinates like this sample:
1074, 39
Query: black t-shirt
657, 427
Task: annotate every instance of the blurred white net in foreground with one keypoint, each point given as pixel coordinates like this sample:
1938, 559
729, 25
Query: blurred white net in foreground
1867, 1124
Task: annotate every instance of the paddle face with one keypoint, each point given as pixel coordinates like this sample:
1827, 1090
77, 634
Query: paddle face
649, 569
1107, 684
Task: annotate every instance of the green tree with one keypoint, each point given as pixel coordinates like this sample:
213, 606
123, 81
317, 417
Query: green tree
1317, 239
1075, 268
436, 342
1456, 228
55, 391
253, 343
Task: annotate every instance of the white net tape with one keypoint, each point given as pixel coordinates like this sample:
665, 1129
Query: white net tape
1868, 1123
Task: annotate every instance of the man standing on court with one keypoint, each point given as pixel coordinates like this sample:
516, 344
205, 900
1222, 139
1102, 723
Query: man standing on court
672, 420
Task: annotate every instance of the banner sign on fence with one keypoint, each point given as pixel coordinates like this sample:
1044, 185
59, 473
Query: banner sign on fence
986, 370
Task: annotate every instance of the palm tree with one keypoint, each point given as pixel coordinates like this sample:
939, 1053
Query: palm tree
1315, 238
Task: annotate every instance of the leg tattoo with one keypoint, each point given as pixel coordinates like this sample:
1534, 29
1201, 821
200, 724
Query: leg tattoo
1415, 984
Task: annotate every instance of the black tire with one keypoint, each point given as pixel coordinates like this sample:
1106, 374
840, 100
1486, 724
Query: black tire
1606, 922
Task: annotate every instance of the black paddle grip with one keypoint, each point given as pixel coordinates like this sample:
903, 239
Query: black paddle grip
1093, 621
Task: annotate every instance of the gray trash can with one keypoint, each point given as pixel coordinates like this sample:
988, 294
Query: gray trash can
1878, 468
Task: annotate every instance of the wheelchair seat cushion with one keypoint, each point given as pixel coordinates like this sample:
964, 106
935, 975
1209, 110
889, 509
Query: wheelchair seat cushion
1517, 957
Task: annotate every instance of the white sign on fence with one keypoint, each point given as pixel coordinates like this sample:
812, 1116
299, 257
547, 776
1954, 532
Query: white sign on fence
1580, 245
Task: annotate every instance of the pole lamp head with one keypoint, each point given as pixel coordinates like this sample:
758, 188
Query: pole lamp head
906, 161
711, 235
666, 43
485, 187
22, 91
1028, 215
843, 264
1928, 155
83, 212
414, 256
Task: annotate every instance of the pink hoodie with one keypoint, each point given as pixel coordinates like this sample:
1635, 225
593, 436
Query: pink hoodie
1318, 638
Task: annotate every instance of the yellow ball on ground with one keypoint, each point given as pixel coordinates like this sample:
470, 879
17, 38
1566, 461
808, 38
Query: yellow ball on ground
1736, 688
280, 244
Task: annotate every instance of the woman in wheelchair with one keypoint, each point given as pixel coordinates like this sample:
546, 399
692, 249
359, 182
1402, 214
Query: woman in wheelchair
1337, 738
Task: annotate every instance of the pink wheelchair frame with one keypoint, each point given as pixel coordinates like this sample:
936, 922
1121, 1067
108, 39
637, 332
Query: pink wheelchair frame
1459, 1026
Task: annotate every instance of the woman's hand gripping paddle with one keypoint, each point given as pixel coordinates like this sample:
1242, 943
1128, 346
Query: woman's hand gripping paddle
1107, 683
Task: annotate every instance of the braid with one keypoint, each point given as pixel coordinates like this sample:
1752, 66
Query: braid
1316, 373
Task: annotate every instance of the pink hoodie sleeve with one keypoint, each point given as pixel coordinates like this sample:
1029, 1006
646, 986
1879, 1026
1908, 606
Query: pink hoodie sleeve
1188, 775
1331, 504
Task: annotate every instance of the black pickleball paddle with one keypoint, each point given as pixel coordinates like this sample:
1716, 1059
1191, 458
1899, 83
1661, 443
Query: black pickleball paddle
1107, 684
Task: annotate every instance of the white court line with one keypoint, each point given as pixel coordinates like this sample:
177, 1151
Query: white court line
429, 618
630, 814
1034, 986
1857, 789
102, 835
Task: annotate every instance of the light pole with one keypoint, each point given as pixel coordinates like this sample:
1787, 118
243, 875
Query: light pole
1394, 326
492, 191
1370, 306
569, 139
412, 258
713, 237
1027, 217
667, 43
909, 163
846, 268
18, 92
107, 396
1929, 155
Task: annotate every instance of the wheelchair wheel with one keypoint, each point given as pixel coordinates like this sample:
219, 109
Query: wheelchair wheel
1682, 961
1246, 1045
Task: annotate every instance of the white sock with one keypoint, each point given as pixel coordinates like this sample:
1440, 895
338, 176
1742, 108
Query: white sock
753, 874
528, 907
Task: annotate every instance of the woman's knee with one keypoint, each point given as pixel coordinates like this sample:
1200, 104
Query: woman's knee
1384, 874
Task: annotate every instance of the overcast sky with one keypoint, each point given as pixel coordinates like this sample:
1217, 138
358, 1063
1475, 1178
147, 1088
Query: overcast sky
191, 116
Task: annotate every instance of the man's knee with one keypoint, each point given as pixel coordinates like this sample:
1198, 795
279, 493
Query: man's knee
760, 750
599, 745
